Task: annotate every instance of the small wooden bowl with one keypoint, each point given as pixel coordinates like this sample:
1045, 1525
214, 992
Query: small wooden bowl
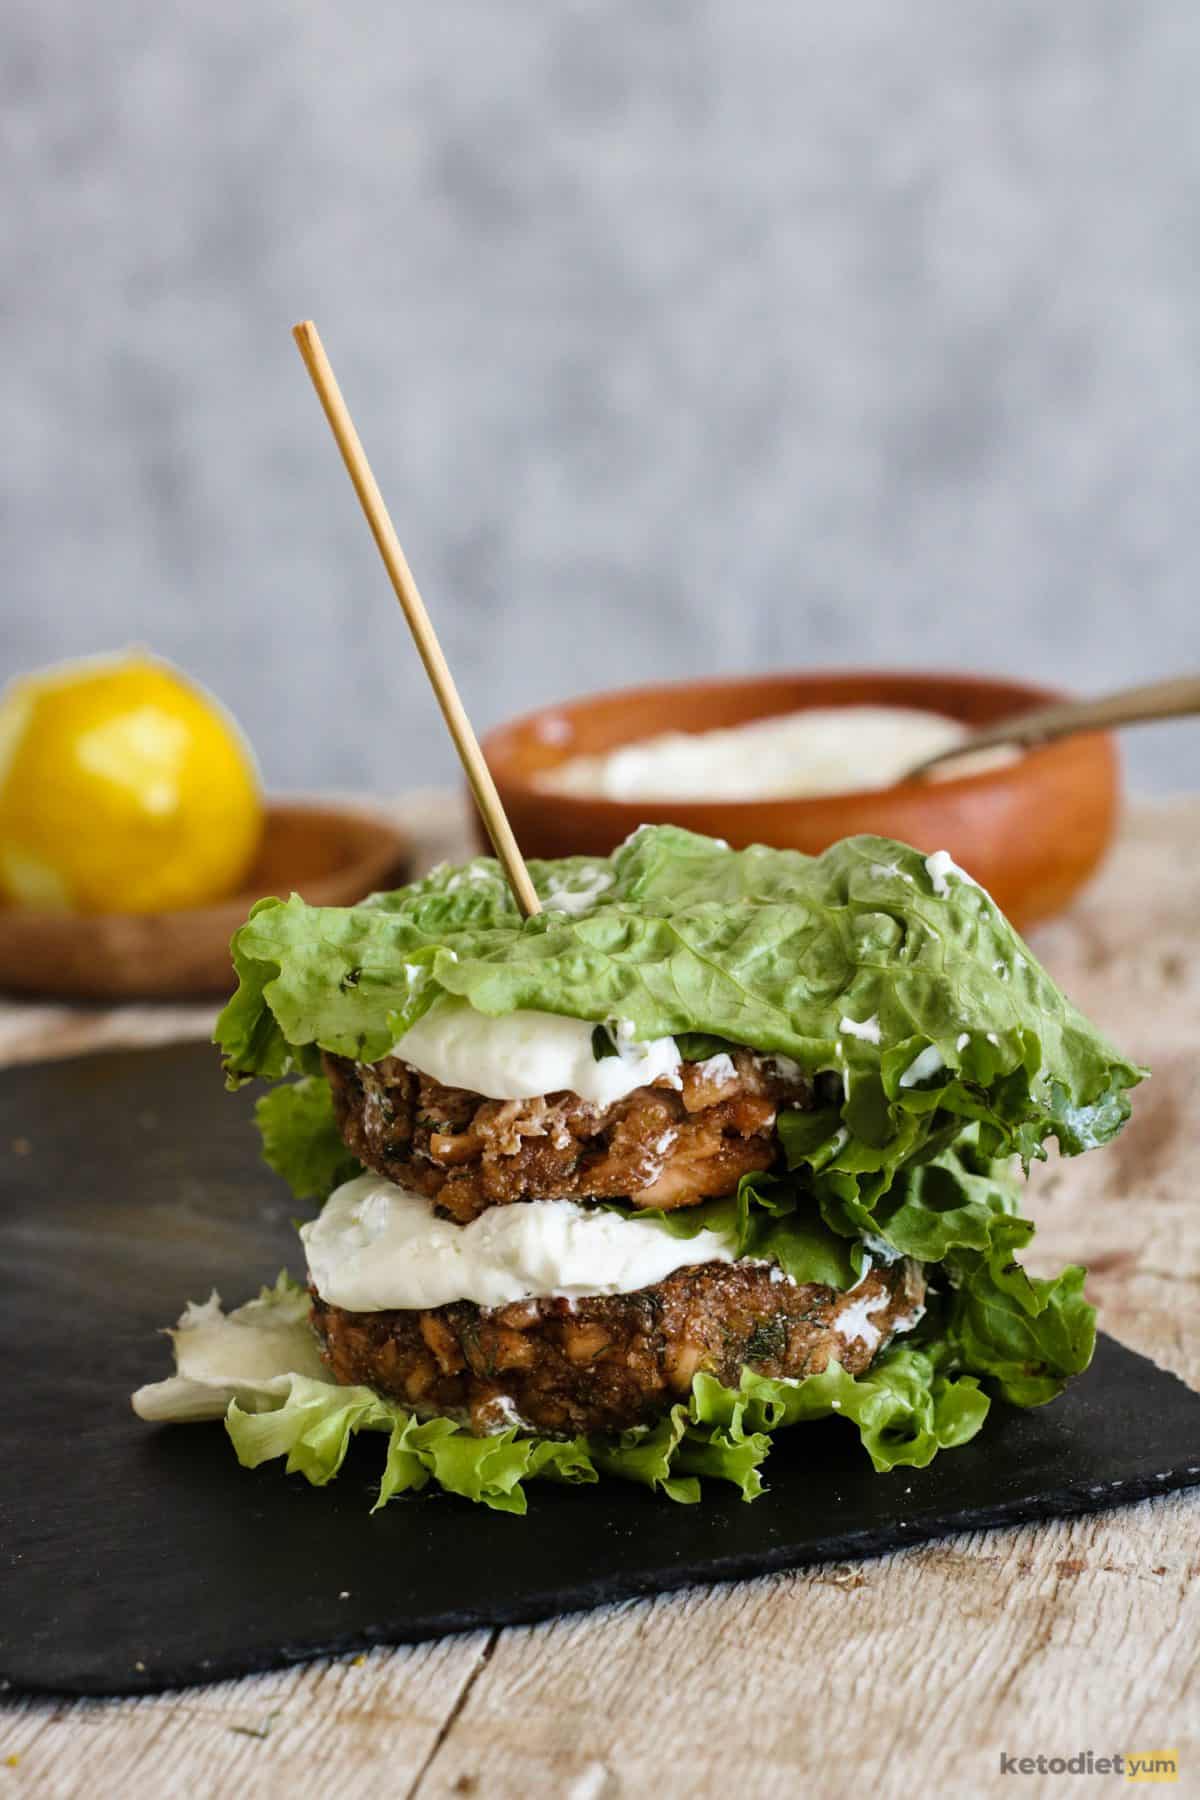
1032, 831
331, 855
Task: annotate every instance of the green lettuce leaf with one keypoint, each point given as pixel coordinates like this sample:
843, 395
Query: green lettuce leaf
698, 1046
778, 1221
771, 1219
891, 972
949, 1203
300, 1140
1025, 1335
314, 1422
489, 1470
250, 1035
905, 1407
946, 1204
957, 1215
905, 1410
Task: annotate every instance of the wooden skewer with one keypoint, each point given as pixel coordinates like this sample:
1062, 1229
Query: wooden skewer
436, 667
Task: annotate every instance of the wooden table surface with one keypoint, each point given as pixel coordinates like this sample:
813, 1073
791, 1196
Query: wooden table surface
908, 1674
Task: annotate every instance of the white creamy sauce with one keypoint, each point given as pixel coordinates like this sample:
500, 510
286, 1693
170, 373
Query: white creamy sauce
581, 898
880, 1249
867, 1029
854, 1324
1081, 1121
717, 1069
939, 867
500, 1414
928, 1063
523, 1054
377, 1246
962, 1040
475, 874
824, 750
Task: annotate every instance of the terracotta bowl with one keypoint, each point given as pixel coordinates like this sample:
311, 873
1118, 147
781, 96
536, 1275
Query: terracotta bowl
1032, 831
331, 855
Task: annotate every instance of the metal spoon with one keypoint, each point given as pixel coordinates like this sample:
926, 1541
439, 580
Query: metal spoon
1129, 706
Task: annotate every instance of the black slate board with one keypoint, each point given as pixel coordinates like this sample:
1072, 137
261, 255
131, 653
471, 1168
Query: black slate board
136, 1558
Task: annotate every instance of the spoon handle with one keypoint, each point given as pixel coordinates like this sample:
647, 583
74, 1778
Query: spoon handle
1172, 699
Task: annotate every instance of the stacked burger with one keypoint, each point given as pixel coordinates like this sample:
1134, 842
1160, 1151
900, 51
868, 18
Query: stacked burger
549, 1311
717, 1142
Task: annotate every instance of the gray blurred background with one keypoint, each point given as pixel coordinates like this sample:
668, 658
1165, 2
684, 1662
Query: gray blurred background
684, 338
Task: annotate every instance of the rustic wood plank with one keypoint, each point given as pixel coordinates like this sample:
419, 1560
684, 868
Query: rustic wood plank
906, 1675
359, 1726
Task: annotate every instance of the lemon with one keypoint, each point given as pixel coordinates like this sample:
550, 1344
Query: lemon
123, 788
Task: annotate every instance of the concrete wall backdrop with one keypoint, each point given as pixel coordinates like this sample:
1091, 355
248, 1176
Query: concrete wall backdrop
685, 336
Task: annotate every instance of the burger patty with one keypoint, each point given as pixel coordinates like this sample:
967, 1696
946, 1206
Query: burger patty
602, 1364
665, 1145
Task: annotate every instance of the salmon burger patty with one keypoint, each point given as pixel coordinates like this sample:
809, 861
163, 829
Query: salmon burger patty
673, 1143
567, 1366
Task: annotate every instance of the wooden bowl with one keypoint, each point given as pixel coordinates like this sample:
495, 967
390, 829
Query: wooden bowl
331, 855
1032, 831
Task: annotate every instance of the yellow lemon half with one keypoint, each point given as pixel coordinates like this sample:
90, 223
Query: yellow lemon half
123, 788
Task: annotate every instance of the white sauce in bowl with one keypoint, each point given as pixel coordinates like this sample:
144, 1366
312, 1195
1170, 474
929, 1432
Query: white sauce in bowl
823, 750
377, 1246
